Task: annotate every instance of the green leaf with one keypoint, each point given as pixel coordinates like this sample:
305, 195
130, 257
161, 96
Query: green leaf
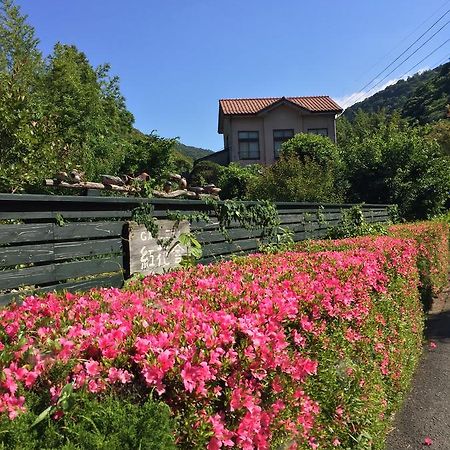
43, 415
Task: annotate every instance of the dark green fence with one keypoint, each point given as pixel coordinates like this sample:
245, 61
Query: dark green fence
78, 242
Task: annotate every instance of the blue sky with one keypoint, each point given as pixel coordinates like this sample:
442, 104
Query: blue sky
177, 58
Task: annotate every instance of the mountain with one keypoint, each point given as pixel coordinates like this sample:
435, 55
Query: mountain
192, 152
424, 97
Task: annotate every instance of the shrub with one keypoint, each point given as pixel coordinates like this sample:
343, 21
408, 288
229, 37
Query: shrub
389, 161
292, 349
205, 172
310, 147
108, 423
354, 224
432, 241
234, 180
293, 180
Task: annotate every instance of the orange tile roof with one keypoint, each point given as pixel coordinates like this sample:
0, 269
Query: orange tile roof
321, 103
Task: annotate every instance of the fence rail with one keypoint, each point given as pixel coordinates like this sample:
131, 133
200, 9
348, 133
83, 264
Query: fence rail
78, 242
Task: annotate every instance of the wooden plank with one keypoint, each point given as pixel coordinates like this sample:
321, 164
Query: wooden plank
67, 215
81, 230
73, 286
223, 248
309, 211
26, 254
26, 233
207, 237
10, 279
80, 249
173, 202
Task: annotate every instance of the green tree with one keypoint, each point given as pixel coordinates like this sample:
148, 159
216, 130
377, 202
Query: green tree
91, 124
151, 154
205, 172
23, 120
440, 133
389, 161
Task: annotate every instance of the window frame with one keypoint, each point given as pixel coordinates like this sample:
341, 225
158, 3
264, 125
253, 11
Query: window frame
283, 139
312, 131
248, 140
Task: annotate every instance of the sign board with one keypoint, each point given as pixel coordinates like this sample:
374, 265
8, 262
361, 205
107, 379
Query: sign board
156, 255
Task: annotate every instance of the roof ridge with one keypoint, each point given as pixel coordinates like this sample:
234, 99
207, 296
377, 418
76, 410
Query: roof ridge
252, 98
275, 98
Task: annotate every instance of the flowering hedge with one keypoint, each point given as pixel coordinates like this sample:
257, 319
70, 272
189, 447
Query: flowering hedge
304, 350
432, 241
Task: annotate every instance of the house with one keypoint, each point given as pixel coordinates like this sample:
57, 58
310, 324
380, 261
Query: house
254, 128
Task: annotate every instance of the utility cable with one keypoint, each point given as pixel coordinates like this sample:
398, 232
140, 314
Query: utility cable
401, 63
401, 54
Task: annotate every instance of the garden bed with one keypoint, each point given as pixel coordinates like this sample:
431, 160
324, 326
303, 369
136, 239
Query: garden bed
298, 349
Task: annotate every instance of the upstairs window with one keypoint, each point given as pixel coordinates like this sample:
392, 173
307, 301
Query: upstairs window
280, 136
319, 131
248, 144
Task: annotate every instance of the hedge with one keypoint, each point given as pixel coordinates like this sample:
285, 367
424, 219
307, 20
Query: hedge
291, 350
431, 240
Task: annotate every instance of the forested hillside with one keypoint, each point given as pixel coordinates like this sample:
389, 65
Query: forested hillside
424, 97
193, 152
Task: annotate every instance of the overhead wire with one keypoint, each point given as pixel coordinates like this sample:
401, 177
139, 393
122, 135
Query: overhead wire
426, 57
397, 58
403, 40
362, 94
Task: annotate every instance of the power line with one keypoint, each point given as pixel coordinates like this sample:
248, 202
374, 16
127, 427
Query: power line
401, 54
403, 40
446, 58
401, 63
426, 57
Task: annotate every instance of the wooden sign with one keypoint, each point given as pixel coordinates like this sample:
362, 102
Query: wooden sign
156, 255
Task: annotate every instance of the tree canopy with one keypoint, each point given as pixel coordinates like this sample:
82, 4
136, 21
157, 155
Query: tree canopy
59, 113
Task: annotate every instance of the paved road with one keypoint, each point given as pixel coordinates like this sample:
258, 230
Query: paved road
426, 412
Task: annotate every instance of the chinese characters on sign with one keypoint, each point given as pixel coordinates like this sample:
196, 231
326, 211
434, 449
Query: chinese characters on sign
156, 255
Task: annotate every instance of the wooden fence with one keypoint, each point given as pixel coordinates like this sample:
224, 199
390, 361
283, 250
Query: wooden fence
78, 242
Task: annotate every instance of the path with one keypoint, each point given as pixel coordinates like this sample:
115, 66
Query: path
426, 412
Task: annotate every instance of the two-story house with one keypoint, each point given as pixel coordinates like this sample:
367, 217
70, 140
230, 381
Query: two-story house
254, 128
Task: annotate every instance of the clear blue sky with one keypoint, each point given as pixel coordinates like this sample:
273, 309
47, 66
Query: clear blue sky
177, 58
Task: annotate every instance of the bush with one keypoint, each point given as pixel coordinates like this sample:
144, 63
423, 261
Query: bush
235, 180
205, 172
109, 424
311, 147
354, 224
389, 161
293, 349
293, 180
432, 241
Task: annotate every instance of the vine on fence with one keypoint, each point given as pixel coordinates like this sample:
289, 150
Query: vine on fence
143, 215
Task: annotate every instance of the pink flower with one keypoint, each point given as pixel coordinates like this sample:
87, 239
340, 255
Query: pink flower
116, 375
432, 345
92, 368
188, 376
427, 441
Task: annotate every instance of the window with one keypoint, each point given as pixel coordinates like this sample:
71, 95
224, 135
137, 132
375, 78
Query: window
248, 144
320, 131
280, 136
